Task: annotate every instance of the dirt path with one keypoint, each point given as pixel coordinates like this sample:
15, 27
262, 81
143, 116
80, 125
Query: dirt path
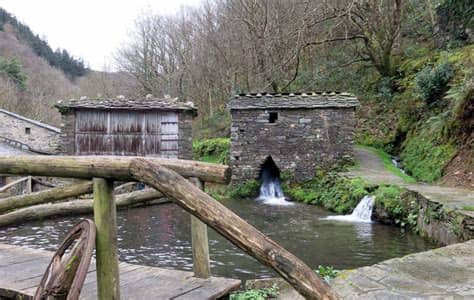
371, 168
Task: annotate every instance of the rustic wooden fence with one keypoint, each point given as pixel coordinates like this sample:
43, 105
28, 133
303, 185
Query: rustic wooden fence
167, 176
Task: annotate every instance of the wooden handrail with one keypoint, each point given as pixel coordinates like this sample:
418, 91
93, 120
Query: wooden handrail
109, 167
166, 176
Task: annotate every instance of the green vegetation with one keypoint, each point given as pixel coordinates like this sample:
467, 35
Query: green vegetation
425, 120
12, 69
399, 205
468, 207
327, 272
256, 294
247, 189
330, 190
389, 166
212, 150
432, 81
424, 159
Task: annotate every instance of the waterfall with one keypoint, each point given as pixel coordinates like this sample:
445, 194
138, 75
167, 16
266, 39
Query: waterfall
362, 212
270, 190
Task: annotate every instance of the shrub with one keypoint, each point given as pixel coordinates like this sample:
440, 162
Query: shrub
212, 150
432, 81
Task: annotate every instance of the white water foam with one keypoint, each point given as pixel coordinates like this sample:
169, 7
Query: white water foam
272, 193
362, 212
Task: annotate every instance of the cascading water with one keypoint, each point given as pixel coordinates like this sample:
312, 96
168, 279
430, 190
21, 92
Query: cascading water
270, 190
362, 212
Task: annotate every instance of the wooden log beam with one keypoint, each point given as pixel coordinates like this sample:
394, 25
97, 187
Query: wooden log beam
109, 167
105, 219
232, 227
46, 196
76, 207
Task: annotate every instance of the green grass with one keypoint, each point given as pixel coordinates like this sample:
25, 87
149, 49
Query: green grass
468, 207
388, 165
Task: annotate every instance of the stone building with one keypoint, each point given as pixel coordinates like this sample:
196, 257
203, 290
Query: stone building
294, 132
26, 134
138, 127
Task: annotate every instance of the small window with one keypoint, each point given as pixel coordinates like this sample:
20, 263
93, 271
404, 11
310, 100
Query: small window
27, 130
237, 157
272, 117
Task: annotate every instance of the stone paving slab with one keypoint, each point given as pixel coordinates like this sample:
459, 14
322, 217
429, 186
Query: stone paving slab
443, 273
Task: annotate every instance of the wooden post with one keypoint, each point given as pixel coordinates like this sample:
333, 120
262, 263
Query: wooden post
29, 185
200, 242
108, 285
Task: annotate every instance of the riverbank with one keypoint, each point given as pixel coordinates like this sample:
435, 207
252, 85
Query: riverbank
445, 214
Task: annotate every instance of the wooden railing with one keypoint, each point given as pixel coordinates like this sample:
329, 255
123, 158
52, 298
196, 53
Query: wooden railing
22, 146
167, 177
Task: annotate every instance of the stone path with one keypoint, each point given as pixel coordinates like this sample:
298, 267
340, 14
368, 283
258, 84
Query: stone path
443, 273
371, 168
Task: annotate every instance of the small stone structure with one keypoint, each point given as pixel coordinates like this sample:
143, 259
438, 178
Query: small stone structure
34, 134
298, 131
118, 126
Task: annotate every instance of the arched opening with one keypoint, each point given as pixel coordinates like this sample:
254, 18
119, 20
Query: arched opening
270, 189
269, 170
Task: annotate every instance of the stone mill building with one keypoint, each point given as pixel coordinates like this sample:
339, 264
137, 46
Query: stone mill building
293, 132
138, 127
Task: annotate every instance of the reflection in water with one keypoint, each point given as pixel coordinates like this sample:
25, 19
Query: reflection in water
160, 236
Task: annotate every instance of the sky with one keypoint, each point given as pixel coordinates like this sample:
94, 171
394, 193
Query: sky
91, 29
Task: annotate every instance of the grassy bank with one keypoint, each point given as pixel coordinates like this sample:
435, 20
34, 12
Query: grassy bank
340, 194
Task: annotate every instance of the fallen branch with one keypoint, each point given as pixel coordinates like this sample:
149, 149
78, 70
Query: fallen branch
85, 206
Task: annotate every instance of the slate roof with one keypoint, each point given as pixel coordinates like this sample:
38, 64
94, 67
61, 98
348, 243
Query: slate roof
122, 103
292, 100
34, 122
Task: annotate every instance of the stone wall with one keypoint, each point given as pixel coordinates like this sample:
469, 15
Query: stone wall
67, 136
31, 134
299, 141
185, 133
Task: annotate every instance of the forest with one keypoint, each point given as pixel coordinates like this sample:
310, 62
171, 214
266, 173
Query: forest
409, 62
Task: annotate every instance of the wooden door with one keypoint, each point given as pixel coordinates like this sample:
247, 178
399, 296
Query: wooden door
92, 133
169, 135
127, 133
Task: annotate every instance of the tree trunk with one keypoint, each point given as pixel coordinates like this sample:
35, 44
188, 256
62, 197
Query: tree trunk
231, 226
46, 196
43, 211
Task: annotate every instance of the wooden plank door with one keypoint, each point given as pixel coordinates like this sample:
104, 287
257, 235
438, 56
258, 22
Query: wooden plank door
91, 133
126, 133
169, 135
